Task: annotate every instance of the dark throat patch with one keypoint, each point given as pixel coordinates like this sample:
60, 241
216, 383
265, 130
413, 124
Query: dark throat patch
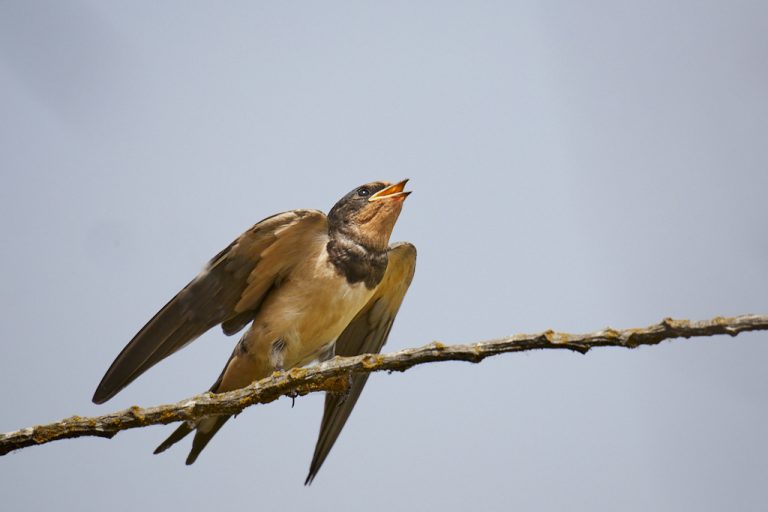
356, 262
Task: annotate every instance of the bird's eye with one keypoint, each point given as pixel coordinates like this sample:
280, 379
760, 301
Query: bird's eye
363, 192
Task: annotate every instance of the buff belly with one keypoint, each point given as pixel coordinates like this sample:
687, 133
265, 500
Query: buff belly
287, 332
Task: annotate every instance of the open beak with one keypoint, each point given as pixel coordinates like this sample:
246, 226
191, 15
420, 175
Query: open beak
391, 192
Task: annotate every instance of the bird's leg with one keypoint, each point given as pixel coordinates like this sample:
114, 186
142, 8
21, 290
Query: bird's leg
277, 360
327, 352
277, 354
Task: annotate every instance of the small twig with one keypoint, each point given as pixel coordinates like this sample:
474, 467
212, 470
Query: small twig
334, 375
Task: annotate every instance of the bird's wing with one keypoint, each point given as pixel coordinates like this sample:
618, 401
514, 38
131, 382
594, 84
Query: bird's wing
229, 291
366, 334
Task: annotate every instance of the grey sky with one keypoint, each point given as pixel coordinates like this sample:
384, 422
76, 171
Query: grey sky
574, 165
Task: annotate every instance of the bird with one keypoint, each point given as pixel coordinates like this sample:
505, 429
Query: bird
306, 285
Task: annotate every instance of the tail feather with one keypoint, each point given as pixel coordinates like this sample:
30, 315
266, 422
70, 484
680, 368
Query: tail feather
178, 434
205, 429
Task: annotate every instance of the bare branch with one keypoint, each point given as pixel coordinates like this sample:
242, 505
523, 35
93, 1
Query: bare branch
334, 375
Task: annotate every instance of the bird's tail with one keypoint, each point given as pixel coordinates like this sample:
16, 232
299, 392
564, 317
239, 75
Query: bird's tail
204, 429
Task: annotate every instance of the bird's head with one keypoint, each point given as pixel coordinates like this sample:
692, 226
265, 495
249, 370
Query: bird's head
368, 213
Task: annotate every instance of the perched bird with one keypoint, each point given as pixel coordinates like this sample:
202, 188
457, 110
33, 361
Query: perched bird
309, 285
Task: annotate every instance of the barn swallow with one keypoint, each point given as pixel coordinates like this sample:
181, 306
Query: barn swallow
307, 285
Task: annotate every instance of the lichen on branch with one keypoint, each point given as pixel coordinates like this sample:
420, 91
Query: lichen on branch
334, 375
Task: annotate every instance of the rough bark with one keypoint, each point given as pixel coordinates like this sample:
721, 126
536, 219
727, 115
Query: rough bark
334, 375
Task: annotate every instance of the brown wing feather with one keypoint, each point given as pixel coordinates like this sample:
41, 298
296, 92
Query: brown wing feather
366, 334
229, 291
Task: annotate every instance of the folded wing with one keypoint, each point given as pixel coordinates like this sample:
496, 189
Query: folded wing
366, 334
229, 291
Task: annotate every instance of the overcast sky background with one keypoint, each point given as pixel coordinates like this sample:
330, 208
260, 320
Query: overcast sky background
574, 165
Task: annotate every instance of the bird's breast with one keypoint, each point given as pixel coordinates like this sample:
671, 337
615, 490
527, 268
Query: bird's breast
310, 309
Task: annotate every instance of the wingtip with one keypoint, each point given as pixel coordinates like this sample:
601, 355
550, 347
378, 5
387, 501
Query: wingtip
107, 388
99, 396
314, 469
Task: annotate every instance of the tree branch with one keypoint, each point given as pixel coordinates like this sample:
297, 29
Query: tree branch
334, 375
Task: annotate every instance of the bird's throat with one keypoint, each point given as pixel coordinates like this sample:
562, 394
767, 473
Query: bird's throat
356, 262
